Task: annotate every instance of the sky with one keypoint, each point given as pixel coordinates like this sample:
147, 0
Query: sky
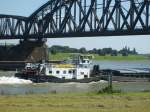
27, 7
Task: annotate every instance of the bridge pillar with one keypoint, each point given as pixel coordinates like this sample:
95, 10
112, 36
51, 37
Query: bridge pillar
26, 50
37, 50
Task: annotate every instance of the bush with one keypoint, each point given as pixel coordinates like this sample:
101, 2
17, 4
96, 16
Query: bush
109, 90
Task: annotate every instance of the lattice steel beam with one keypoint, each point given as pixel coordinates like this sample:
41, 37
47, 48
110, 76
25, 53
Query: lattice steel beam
80, 18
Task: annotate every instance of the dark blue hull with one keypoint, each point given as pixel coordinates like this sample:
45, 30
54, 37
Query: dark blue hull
44, 78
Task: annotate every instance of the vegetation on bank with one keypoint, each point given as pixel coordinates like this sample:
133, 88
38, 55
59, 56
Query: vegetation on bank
63, 52
102, 52
63, 56
76, 102
120, 57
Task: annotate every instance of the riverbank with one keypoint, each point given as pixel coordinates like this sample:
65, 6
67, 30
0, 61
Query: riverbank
76, 102
63, 56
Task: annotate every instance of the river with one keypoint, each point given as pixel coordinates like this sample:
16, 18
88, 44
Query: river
122, 64
11, 85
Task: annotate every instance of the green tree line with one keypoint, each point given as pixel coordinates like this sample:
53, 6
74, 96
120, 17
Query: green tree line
125, 51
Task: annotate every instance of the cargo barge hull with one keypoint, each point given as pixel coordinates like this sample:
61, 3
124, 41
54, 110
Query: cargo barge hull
44, 78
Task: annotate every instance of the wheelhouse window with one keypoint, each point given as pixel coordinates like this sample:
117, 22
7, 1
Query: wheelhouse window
50, 72
64, 72
73, 71
83, 61
57, 72
70, 72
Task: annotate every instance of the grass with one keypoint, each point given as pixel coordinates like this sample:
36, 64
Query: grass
76, 102
59, 56
62, 56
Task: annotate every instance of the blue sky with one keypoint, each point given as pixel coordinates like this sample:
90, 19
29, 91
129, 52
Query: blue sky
26, 7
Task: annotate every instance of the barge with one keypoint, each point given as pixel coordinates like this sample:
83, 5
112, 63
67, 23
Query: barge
75, 69
79, 69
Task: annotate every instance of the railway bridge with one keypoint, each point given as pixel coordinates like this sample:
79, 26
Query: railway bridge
79, 18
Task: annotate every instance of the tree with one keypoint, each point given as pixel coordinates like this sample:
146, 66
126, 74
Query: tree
134, 51
53, 51
82, 50
107, 50
94, 51
65, 49
103, 53
114, 53
124, 51
99, 52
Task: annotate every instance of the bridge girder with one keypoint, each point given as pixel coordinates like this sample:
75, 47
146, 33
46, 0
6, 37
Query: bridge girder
11, 26
81, 18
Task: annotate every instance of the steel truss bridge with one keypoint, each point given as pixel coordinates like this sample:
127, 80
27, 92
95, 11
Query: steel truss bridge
79, 18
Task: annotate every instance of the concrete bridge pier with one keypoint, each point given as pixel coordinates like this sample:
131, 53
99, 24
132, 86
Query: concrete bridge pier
26, 50
36, 50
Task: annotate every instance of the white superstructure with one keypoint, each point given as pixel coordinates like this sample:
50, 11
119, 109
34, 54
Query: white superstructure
78, 68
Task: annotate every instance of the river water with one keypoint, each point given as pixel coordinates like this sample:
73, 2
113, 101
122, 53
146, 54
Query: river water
122, 64
11, 85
